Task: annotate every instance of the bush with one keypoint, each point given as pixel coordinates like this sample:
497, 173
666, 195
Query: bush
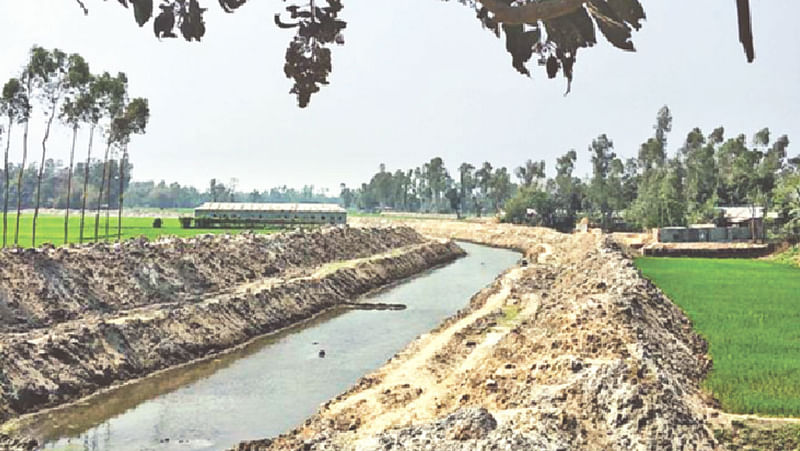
157, 223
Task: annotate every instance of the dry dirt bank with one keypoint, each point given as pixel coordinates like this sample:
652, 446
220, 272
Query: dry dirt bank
574, 351
42, 367
43, 287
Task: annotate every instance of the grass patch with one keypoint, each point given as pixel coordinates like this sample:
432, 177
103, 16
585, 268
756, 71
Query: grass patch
510, 314
50, 229
790, 256
749, 311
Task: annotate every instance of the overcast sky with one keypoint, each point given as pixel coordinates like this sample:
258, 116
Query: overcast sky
415, 79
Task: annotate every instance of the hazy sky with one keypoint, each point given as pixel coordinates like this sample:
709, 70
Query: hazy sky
415, 79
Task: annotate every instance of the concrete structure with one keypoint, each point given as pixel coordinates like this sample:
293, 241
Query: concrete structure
742, 223
260, 215
702, 234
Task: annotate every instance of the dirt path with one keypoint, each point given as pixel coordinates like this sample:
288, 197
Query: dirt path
414, 371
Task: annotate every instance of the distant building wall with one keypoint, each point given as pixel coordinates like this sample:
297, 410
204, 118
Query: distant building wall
701, 235
228, 214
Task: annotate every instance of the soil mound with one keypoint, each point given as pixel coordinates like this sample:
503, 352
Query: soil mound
46, 286
573, 351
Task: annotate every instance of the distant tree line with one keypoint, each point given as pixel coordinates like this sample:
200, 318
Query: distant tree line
174, 195
653, 189
62, 86
432, 188
148, 194
54, 181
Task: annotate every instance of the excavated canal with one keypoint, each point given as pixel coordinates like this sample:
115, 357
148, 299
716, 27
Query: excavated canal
275, 382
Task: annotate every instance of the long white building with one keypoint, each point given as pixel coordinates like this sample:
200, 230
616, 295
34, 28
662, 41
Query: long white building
218, 214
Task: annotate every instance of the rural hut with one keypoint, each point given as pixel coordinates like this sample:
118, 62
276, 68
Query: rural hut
748, 217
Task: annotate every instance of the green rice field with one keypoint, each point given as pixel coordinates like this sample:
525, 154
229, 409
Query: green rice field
51, 229
749, 312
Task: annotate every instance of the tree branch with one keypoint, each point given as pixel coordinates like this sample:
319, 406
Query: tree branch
83, 7
531, 12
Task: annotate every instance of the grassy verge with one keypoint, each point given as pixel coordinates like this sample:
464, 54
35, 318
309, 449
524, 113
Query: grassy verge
749, 311
790, 256
50, 229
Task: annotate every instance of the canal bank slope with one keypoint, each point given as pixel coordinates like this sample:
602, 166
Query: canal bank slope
573, 351
85, 319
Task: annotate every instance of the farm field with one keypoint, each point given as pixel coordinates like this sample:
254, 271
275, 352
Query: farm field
749, 311
51, 229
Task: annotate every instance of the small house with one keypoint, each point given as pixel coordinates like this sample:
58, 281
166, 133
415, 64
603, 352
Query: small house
750, 218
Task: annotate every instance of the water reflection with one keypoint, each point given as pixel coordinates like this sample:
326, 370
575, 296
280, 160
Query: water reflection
80, 418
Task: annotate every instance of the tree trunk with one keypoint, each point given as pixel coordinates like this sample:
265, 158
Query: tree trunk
108, 204
86, 181
122, 162
41, 172
69, 183
19, 179
100, 195
5, 185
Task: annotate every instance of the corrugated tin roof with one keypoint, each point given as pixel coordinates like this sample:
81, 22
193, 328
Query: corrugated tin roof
281, 207
743, 213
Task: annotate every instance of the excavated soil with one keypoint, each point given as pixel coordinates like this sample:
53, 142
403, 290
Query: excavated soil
43, 287
573, 350
85, 319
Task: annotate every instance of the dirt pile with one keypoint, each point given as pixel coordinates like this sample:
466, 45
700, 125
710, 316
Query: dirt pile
74, 358
532, 241
43, 287
577, 351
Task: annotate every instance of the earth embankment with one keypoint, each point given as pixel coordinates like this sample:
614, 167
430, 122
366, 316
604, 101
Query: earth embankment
43, 287
574, 350
109, 314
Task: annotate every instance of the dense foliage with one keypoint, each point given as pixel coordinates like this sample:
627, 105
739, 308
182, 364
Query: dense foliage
653, 189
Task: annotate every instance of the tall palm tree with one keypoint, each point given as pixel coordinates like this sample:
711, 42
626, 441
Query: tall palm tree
76, 108
49, 69
112, 93
15, 106
134, 121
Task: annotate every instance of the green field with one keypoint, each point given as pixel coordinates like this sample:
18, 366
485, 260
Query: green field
749, 311
51, 229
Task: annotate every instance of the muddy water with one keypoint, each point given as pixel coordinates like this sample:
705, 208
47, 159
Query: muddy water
274, 383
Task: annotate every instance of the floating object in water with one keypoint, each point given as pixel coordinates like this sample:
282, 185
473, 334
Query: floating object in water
321, 353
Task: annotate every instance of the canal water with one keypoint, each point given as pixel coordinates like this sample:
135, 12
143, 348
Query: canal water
273, 384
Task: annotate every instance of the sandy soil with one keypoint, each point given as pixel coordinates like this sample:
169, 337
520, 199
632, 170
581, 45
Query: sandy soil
574, 350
